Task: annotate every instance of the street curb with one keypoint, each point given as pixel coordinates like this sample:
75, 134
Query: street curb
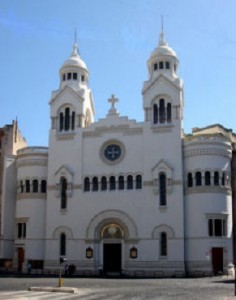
53, 289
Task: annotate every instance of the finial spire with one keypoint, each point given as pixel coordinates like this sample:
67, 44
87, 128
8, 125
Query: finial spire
162, 41
162, 25
75, 51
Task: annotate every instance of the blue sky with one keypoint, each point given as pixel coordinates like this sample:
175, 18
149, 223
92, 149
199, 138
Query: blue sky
116, 38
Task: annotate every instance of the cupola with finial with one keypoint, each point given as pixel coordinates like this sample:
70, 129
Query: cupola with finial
163, 59
74, 71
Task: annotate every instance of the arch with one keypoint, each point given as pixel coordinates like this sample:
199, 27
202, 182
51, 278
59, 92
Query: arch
207, 178
190, 179
169, 118
86, 184
155, 114
95, 184
107, 217
63, 187
112, 183
216, 178
43, 186
162, 188
63, 244
162, 113
67, 118
61, 121
130, 182
163, 243
163, 228
198, 178
121, 182
62, 229
139, 182
27, 186
103, 183
35, 184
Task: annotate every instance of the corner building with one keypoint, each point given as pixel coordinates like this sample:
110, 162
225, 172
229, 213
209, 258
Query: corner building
141, 198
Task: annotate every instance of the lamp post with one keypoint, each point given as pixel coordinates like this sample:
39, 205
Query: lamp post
61, 261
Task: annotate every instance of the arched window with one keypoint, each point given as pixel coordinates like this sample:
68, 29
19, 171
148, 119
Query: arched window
43, 186
27, 186
163, 244
67, 119
130, 182
73, 121
161, 65
95, 184
162, 187
21, 186
162, 111
61, 121
169, 113
207, 178
198, 178
112, 183
121, 182
62, 244
190, 180
63, 193
155, 114
104, 183
35, 186
138, 182
216, 178
86, 184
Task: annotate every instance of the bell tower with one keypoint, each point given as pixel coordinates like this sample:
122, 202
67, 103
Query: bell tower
72, 105
163, 91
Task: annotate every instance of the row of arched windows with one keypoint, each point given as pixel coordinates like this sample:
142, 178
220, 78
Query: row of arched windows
207, 178
112, 183
162, 112
67, 120
32, 186
72, 76
161, 65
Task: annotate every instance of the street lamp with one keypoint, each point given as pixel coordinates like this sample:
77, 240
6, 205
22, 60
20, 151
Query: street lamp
61, 260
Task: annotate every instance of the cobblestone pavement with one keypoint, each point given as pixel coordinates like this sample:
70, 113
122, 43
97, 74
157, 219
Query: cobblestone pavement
217, 288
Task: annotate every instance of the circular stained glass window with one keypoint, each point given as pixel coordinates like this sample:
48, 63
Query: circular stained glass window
112, 152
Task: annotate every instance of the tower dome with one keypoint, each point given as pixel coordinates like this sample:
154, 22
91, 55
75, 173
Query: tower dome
74, 71
74, 60
163, 48
163, 59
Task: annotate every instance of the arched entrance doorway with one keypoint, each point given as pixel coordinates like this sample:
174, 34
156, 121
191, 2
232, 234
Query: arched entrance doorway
112, 236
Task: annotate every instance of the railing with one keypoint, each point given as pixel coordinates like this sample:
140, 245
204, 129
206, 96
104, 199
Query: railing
29, 150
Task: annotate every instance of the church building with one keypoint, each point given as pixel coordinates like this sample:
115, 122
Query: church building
124, 197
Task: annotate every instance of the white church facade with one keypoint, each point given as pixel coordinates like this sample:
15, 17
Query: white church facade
138, 198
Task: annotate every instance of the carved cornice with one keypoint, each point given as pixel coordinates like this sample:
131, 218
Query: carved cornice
199, 152
65, 136
208, 190
162, 128
38, 196
32, 162
126, 129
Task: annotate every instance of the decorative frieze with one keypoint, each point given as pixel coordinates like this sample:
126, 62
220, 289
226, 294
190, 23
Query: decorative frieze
32, 162
200, 152
37, 196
